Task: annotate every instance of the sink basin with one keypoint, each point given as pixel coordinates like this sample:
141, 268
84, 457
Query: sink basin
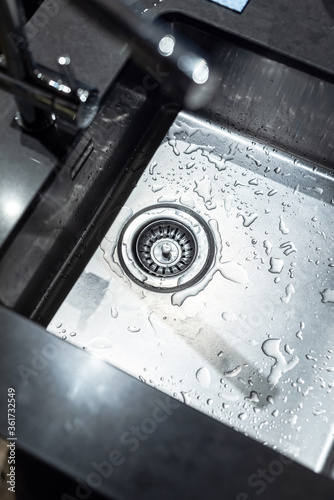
243, 329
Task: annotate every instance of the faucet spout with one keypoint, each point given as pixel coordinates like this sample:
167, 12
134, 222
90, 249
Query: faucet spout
184, 68
40, 94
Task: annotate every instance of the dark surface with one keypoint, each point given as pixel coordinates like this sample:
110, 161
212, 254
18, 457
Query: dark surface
82, 409
25, 165
303, 29
51, 483
74, 410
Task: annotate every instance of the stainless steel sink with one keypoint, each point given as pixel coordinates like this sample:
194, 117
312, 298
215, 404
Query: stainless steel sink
243, 328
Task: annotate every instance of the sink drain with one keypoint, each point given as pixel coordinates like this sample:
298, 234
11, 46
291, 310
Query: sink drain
166, 248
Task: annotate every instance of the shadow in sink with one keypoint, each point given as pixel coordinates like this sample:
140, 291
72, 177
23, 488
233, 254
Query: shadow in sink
250, 342
237, 372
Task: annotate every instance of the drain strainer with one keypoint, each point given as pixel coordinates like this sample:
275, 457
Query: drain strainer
166, 248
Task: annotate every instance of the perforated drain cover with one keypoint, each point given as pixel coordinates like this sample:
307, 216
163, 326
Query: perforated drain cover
166, 248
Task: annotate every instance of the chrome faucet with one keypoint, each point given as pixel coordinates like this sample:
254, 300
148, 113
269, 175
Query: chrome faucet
188, 72
42, 95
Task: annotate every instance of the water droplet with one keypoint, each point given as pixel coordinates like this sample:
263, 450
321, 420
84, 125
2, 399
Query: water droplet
58, 325
310, 357
157, 187
318, 411
271, 348
190, 165
210, 402
289, 247
289, 291
314, 189
276, 265
293, 420
186, 397
229, 316
282, 226
272, 192
288, 349
114, 312
267, 246
228, 202
242, 416
322, 383
72, 334
234, 372
192, 148
203, 376
204, 190
327, 295
219, 161
253, 397
238, 183
171, 137
133, 329
251, 157
248, 219
152, 167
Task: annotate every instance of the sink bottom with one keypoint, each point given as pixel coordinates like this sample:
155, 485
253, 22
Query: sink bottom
250, 343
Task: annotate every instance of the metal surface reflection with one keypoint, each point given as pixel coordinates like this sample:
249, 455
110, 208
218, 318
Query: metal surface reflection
237, 343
